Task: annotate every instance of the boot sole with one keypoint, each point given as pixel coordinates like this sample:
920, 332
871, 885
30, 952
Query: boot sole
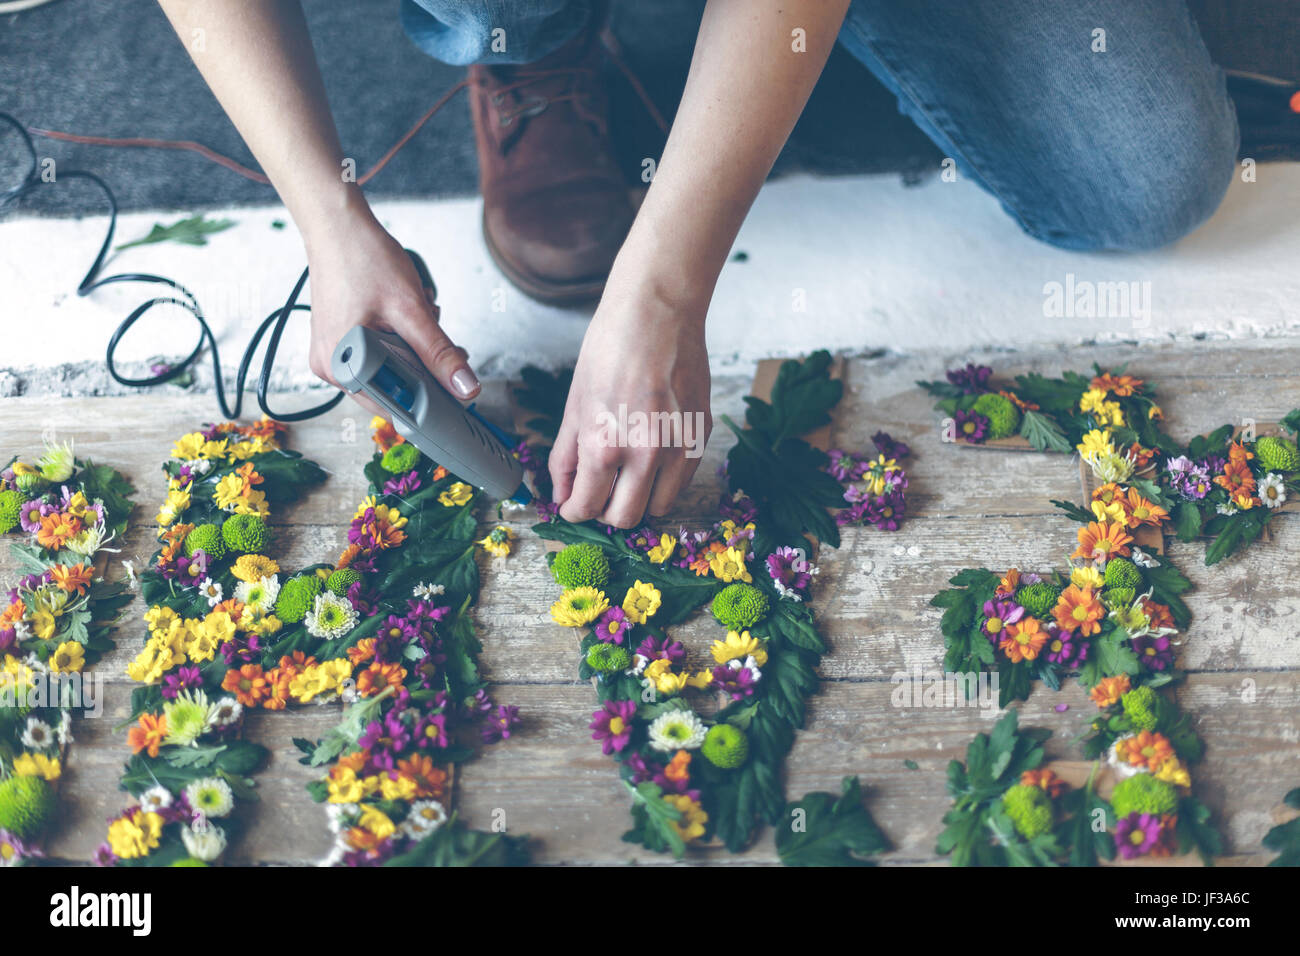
548, 293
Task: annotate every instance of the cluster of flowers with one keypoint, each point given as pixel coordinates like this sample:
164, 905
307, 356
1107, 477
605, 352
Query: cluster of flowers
238, 634
874, 488
55, 623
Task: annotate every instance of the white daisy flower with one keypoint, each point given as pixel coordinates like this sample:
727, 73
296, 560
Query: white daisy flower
211, 590
677, 730
331, 617
64, 730
1272, 490
210, 796
38, 735
129, 568
1144, 560
340, 815
424, 817
204, 842
260, 595
226, 712
1228, 510
639, 663
155, 799
424, 590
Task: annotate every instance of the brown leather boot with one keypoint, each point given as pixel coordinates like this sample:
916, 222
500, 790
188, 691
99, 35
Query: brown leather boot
555, 207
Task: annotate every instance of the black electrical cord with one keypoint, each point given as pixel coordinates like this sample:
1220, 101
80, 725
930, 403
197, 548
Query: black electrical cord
275, 322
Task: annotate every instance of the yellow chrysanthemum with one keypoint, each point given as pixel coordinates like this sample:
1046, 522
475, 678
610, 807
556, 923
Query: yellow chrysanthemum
254, 567
729, 565
159, 618
403, 788
376, 822
176, 502
345, 787
37, 765
1110, 414
660, 673
497, 541
1113, 512
367, 503
156, 659
641, 601
68, 658
1096, 444
1087, 577
42, 623
1092, 400
579, 606
693, 818
738, 646
135, 834
662, 551
457, 494
1174, 771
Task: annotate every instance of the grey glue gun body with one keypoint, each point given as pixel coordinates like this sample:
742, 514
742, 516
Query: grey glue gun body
383, 367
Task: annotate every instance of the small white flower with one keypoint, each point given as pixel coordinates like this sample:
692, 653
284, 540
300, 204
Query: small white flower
334, 858
677, 730
424, 817
129, 568
1144, 560
1272, 490
155, 799
331, 616
260, 595
210, 796
64, 731
424, 590
22, 631
1228, 510
38, 735
1122, 767
211, 590
204, 841
200, 466
789, 594
226, 712
340, 815
639, 663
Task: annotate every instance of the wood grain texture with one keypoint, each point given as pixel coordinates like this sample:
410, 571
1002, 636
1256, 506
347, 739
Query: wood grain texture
872, 598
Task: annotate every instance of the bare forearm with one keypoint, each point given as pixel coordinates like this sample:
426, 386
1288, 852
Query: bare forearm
258, 60
746, 88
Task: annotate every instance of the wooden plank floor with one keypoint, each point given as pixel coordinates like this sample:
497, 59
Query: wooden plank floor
966, 507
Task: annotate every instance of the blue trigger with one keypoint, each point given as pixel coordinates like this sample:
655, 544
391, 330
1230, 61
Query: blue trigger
392, 386
500, 434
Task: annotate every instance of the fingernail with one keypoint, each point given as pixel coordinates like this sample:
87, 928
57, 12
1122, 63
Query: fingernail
464, 382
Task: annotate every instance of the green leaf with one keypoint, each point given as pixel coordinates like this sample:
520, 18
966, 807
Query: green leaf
1043, 433
453, 844
823, 830
193, 231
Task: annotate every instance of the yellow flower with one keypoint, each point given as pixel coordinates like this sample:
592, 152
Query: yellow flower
701, 680
367, 503
662, 551
1110, 413
229, 490
403, 788
253, 503
156, 659
458, 494
579, 606
203, 638
177, 501
254, 567
693, 818
497, 541
1173, 771
265, 626
1087, 577
189, 447
1113, 512
729, 565
1092, 400
310, 683
738, 646
159, 618
77, 505
68, 658
42, 623
376, 822
1096, 444
344, 787
641, 602
135, 834
1154, 412
37, 765
659, 672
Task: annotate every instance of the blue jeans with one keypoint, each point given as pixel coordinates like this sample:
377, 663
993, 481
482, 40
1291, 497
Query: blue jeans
1126, 148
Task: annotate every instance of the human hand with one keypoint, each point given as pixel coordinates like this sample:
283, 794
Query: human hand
360, 275
637, 417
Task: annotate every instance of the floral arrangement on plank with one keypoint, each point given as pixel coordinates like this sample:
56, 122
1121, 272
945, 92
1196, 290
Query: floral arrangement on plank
700, 735
385, 629
55, 626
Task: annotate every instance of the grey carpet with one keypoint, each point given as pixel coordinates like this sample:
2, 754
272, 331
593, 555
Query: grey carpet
116, 69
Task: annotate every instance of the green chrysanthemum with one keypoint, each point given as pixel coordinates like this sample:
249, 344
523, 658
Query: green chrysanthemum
187, 861
342, 579
11, 509
206, 538
581, 566
296, 597
1118, 599
738, 606
245, 533
400, 458
57, 463
26, 805
725, 746
1123, 573
1038, 598
331, 617
1003, 416
1144, 708
1277, 454
189, 717
1029, 808
607, 658
31, 483
1143, 793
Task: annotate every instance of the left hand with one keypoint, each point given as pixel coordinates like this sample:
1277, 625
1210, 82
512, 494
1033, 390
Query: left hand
637, 417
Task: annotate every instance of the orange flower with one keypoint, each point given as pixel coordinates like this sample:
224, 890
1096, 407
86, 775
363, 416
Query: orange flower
1019, 402
1121, 385
1141, 511
1158, 614
231, 607
248, 684
250, 477
148, 734
278, 679
679, 768
431, 781
353, 761
1024, 640
13, 614
1046, 779
1101, 541
1236, 479
56, 528
1078, 609
266, 428
1142, 457
348, 556
1109, 690
384, 435
439, 473
72, 577
378, 676
1108, 493
1010, 581
362, 651
1237, 453
361, 839
1147, 749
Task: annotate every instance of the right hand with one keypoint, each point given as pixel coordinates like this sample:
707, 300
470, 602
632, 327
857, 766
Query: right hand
360, 275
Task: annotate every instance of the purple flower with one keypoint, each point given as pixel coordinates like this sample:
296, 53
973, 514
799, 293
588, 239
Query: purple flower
972, 379
998, 616
104, 856
498, 726
613, 626
737, 507
890, 448
1154, 653
547, 510
1190, 481
738, 681
184, 678
405, 485
8, 639
193, 569
31, 515
971, 426
1065, 648
431, 731
641, 770
886, 511
1137, 834
844, 466
789, 570
653, 648
612, 725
